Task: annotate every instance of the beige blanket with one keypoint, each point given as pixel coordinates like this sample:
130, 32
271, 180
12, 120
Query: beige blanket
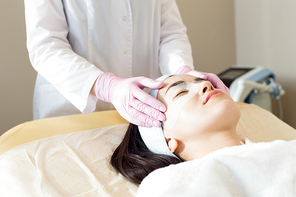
67, 165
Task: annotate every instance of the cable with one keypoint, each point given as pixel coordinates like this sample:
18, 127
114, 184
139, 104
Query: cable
278, 98
281, 111
277, 89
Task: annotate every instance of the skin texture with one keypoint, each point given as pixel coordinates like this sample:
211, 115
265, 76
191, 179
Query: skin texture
198, 124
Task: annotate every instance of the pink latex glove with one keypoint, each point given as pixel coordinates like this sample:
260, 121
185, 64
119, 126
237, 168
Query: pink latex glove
129, 99
214, 79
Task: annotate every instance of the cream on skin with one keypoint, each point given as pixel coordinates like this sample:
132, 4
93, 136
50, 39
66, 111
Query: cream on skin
206, 120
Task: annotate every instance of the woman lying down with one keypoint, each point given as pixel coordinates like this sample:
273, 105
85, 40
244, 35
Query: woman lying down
199, 137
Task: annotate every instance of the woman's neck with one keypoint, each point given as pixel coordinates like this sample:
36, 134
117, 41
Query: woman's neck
209, 143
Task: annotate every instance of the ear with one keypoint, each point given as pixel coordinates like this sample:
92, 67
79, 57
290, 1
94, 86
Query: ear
172, 144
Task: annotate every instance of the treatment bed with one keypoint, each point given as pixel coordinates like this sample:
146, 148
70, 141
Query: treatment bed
69, 156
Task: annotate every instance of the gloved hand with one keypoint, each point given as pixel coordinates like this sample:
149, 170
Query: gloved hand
214, 79
129, 99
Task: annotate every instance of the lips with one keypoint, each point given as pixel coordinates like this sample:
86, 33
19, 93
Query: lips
212, 94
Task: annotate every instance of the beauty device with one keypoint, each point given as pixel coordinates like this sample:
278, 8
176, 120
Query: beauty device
253, 85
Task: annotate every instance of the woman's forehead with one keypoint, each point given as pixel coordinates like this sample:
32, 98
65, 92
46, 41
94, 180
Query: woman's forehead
170, 80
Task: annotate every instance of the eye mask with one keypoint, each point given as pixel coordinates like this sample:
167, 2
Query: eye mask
177, 103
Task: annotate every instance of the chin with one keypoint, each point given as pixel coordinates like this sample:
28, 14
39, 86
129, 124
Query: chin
221, 114
228, 112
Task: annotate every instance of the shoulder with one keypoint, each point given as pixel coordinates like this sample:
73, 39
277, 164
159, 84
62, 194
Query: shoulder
159, 182
164, 179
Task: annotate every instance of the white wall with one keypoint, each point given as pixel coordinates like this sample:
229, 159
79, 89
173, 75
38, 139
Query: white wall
211, 31
266, 35
16, 74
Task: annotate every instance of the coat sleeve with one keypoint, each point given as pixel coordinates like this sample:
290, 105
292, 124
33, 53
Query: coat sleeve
52, 56
175, 49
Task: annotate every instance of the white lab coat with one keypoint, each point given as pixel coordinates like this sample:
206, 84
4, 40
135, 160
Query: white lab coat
72, 42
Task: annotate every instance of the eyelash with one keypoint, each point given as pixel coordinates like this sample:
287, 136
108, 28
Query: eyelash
184, 91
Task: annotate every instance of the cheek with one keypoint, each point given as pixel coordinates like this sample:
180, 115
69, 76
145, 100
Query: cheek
173, 112
194, 114
191, 119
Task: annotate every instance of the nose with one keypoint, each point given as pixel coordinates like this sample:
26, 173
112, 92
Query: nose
206, 86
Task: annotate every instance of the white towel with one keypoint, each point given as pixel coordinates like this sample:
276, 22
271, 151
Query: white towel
258, 169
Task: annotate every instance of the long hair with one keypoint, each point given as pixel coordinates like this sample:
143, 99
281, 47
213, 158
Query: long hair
134, 160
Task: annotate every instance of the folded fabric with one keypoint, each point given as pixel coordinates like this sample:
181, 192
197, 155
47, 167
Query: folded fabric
258, 169
75, 164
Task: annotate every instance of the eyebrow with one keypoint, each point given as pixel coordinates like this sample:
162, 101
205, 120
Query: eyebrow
179, 83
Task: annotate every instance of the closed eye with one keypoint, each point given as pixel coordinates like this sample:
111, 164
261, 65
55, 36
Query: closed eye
182, 92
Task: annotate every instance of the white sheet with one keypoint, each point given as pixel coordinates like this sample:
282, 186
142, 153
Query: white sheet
75, 164
259, 169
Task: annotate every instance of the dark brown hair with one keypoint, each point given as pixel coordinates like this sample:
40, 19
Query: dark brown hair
134, 160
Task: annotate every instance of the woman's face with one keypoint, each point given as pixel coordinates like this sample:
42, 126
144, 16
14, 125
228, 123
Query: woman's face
195, 108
